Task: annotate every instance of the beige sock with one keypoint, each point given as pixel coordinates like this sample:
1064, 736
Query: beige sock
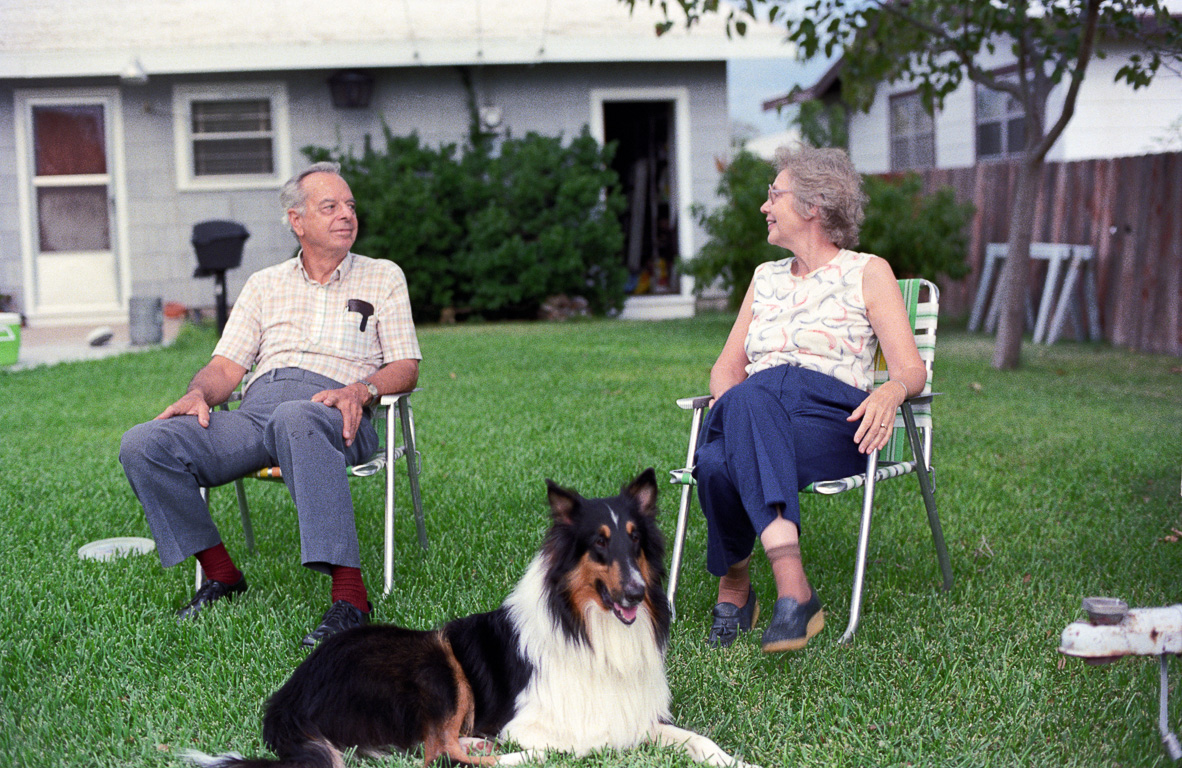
734, 587
788, 570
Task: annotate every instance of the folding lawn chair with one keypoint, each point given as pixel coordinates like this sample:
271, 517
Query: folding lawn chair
391, 412
908, 451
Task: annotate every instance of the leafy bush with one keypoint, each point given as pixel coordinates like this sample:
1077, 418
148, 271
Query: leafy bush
920, 235
549, 225
737, 230
411, 203
492, 235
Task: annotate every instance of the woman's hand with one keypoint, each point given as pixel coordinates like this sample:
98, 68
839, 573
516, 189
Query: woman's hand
877, 413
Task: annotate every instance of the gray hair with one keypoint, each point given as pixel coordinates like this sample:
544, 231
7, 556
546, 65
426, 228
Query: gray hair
824, 178
293, 195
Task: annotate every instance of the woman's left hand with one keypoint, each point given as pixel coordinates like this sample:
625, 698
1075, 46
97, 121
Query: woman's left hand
877, 413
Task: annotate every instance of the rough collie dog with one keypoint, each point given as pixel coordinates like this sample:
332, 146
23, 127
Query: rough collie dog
573, 661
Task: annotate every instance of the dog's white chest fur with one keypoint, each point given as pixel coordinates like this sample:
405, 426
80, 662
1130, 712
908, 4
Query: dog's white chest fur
611, 692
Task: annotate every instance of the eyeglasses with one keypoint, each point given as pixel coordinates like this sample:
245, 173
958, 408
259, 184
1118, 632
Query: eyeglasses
772, 192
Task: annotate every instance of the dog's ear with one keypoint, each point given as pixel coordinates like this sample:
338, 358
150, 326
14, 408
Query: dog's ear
644, 490
562, 502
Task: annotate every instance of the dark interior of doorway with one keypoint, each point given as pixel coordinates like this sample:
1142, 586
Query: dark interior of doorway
643, 132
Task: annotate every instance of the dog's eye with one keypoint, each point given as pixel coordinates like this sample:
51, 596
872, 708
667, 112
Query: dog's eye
601, 542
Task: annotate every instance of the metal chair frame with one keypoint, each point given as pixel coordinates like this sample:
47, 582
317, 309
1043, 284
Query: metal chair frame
394, 411
908, 452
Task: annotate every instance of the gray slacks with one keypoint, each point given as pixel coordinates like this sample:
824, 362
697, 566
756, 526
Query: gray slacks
167, 462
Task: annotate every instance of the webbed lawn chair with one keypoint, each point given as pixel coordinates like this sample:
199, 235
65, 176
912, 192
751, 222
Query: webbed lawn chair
909, 451
392, 418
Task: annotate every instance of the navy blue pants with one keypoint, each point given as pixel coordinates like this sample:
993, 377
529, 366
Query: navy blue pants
167, 463
765, 439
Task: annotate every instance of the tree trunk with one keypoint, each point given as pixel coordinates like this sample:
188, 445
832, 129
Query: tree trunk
1015, 276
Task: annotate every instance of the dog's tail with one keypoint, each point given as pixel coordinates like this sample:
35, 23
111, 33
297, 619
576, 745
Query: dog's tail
309, 754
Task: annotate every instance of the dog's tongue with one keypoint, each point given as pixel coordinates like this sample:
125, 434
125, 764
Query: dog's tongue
626, 615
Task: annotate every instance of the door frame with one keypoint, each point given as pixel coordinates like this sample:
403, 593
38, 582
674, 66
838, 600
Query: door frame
110, 98
683, 183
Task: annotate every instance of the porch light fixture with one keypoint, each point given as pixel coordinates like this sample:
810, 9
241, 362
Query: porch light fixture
351, 89
133, 73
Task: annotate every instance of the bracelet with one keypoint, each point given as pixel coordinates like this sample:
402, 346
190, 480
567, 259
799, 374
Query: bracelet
901, 384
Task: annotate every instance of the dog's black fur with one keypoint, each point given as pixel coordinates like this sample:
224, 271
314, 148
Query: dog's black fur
589, 609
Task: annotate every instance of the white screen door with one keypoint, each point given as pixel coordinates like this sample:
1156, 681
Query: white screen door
71, 243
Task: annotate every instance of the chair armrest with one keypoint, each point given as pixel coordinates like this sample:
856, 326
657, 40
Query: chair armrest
694, 403
394, 397
922, 399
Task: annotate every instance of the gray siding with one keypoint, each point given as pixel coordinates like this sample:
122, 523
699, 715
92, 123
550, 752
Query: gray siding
550, 99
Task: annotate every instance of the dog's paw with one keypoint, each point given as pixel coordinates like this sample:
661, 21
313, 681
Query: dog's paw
210, 761
523, 757
478, 747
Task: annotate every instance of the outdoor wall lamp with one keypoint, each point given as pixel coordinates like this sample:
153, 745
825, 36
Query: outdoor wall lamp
351, 89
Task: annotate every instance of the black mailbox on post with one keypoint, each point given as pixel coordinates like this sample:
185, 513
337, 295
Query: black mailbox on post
219, 247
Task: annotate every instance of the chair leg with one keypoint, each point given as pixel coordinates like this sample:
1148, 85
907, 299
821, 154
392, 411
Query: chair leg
413, 467
199, 578
687, 492
863, 548
244, 513
923, 472
388, 544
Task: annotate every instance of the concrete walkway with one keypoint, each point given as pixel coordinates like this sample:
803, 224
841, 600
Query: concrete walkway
67, 343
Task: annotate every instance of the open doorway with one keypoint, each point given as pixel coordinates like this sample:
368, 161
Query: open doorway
644, 133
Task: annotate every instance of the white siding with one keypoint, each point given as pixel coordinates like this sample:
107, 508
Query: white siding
1111, 120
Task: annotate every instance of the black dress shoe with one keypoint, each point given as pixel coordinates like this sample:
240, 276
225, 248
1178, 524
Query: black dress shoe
793, 624
209, 592
730, 620
341, 616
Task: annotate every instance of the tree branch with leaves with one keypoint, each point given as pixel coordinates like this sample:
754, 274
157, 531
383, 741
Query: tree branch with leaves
935, 46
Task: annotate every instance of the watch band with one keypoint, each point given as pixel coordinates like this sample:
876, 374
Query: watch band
373, 392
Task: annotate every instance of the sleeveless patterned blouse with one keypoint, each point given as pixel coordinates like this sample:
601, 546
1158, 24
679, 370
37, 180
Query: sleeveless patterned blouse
817, 321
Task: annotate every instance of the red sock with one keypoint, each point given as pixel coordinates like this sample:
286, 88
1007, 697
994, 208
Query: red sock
348, 586
218, 566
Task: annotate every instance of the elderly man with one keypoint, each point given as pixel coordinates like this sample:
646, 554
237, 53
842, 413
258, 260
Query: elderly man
326, 333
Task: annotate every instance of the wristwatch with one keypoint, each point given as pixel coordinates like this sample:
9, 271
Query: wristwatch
373, 392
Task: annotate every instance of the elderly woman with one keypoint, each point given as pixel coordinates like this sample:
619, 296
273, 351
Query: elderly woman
794, 400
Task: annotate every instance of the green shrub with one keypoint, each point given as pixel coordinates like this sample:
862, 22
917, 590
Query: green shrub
411, 203
549, 225
737, 230
920, 235
491, 234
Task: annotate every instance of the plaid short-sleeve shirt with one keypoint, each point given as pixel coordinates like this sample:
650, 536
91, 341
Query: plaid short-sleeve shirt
345, 329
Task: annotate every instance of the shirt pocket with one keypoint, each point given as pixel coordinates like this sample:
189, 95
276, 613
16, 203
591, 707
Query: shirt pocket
346, 337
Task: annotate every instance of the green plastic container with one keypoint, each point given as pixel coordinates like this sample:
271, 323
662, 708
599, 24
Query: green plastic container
10, 337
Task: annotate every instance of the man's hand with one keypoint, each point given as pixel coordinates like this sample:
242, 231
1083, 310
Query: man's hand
212, 384
350, 402
192, 403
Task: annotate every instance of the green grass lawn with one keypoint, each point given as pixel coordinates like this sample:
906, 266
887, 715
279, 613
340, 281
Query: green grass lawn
1055, 482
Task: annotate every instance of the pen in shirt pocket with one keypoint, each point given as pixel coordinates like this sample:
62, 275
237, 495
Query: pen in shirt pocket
363, 307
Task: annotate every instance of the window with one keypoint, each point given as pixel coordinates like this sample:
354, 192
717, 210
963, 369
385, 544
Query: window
1001, 129
913, 134
231, 137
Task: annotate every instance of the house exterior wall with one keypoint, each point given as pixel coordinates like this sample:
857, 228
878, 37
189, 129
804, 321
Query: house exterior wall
1111, 119
432, 101
10, 254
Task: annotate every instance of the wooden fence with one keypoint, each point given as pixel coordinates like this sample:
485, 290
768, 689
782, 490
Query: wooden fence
1128, 209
